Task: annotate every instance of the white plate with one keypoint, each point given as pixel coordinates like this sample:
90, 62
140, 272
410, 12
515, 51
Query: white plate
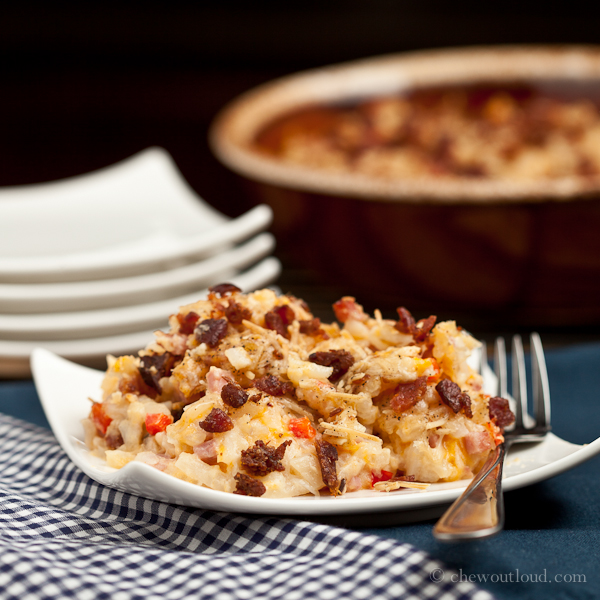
64, 389
122, 319
85, 295
137, 216
15, 355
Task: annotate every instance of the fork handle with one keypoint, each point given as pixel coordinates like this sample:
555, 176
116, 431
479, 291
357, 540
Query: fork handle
479, 511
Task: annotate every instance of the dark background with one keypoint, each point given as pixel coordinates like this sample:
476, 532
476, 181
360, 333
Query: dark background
86, 84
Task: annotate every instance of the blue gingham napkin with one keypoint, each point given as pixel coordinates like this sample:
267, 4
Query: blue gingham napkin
64, 536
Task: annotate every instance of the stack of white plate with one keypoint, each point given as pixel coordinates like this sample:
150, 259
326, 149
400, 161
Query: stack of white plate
93, 265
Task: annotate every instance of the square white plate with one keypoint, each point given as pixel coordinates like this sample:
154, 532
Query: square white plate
21, 301
65, 388
15, 354
134, 217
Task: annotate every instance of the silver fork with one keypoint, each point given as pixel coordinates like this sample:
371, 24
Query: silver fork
479, 511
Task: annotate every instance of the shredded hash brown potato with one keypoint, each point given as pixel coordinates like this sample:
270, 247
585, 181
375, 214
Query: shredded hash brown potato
251, 394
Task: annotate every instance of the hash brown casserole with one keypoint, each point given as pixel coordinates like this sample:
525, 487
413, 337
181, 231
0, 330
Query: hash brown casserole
251, 394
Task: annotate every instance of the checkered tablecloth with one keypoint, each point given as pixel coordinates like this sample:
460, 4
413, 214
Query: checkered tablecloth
64, 536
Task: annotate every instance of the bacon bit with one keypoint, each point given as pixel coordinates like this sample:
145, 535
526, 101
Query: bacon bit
113, 439
247, 486
262, 459
347, 308
236, 313
187, 323
327, 455
211, 331
500, 413
340, 360
383, 476
423, 328
221, 290
269, 384
255, 398
157, 422
279, 319
233, 395
335, 411
406, 395
217, 421
453, 397
302, 428
100, 419
154, 367
135, 385
406, 324
313, 327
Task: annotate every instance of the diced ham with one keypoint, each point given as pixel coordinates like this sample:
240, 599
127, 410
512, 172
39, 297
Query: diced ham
172, 342
434, 440
207, 452
158, 462
477, 441
217, 379
354, 484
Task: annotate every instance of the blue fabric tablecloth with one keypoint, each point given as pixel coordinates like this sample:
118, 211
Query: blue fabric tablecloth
551, 545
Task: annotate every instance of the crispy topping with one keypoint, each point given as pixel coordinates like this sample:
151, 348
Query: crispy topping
223, 289
406, 395
423, 328
453, 397
233, 395
312, 327
500, 413
236, 313
337, 430
217, 421
156, 366
247, 486
269, 384
279, 319
398, 482
187, 322
406, 324
262, 459
327, 455
340, 360
211, 331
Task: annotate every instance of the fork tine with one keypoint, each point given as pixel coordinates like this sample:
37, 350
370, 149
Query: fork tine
541, 387
500, 367
519, 380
